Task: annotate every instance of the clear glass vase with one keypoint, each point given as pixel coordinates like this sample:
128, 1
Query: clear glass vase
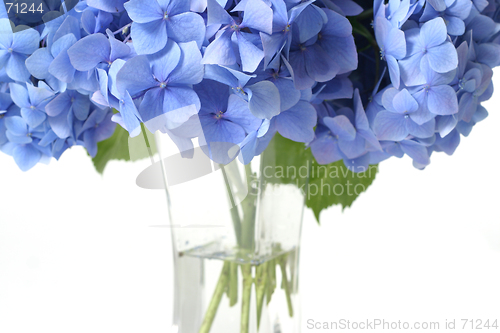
236, 236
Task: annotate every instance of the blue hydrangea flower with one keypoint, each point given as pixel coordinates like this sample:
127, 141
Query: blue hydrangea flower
454, 15
395, 123
222, 51
98, 127
324, 56
392, 45
435, 96
32, 101
263, 97
156, 20
23, 143
164, 82
14, 49
91, 51
427, 45
65, 110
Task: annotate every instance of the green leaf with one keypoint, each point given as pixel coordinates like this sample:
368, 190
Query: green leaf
114, 148
334, 184
289, 162
122, 147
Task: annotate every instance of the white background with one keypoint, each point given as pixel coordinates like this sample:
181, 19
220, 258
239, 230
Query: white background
77, 253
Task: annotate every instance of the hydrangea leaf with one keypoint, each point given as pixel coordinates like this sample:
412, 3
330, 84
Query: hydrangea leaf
125, 148
289, 162
114, 148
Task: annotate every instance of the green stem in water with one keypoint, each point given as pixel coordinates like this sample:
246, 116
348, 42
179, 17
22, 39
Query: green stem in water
271, 276
261, 282
235, 216
248, 205
233, 284
246, 271
286, 285
216, 298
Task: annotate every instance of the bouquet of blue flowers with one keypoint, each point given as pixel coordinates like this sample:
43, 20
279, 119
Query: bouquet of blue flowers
349, 82
357, 81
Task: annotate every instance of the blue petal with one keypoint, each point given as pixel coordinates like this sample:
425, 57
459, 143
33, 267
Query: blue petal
33, 117
433, 32
38, 63
19, 95
118, 49
449, 143
390, 126
446, 124
442, 100
443, 58
325, 147
264, 100
6, 34
251, 55
259, 16
135, 76
60, 125
220, 51
39, 95
341, 126
319, 65
110, 6
410, 70
217, 14
439, 5
26, 157
238, 112
353, 149
289, 96
189, 69
423, 131
186, 27
59, 104
88, 52
149, 38
144, 11
297, 123
88, 21
394, 72
310, 22
164, 62
300, 76
342, 50
404, 102
26, 41
130, 115
16, 68
16, 125
416, 151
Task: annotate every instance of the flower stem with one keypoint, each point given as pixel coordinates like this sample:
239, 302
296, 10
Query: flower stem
261, 282
233, 284
235, 216
365, 15
246, 271
248, 205
286, 285
216, 298
271, 276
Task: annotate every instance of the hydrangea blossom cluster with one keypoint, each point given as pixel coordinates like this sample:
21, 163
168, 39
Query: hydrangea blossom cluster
439, 56
232, 74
